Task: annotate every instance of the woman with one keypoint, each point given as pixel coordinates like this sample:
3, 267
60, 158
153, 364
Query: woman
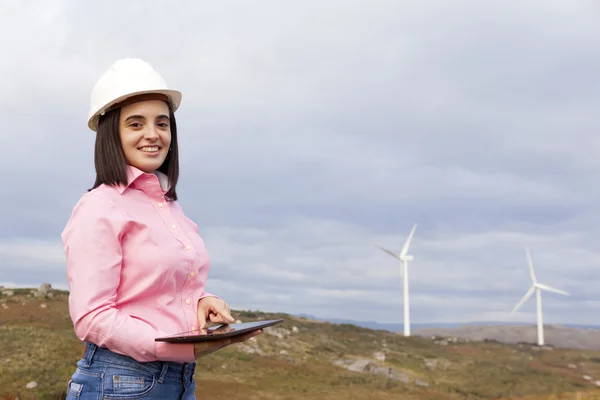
136, 265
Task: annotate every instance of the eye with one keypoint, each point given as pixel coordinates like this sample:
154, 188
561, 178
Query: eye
135, 125
163, 124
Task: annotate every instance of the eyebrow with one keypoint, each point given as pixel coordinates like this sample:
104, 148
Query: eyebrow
162, 116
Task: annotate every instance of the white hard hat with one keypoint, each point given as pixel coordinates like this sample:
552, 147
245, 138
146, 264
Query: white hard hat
126, 78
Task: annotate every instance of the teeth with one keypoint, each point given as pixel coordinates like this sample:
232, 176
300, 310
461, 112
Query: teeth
149, 149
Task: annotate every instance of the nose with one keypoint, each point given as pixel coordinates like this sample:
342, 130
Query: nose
150, 133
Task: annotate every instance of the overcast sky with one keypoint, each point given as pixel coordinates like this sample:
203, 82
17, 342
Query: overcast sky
312, 131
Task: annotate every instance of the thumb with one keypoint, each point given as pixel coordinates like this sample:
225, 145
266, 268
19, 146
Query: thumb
202, 320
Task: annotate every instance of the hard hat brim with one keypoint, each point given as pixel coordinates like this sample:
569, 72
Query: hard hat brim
173, 95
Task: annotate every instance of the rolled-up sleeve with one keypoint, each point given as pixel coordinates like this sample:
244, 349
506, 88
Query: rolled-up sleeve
92, 244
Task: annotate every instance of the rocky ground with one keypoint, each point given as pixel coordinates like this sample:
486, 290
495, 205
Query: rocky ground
303, 358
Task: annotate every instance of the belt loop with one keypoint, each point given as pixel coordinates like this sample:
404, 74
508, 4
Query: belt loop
89, 354
163, 372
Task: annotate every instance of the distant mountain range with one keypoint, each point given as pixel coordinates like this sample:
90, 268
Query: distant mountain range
415, 327
571, 336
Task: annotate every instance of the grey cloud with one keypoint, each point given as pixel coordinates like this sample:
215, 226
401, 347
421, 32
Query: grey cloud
310, 133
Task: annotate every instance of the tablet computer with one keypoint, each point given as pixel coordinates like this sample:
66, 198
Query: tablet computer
218, 332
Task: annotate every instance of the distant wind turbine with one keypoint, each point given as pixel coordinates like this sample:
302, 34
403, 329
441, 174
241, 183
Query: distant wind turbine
404, 258
537, 288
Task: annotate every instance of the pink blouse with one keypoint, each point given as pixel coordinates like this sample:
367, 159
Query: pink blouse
136, 268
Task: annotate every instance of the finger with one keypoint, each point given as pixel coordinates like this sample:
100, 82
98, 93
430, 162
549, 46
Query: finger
219, 319
201, 323
223, 313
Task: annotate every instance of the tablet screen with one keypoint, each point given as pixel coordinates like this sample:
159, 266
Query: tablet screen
218, 332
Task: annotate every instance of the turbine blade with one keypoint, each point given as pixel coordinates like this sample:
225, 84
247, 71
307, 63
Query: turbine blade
524, 299
551, 289
408, 240
531, 271
390, 252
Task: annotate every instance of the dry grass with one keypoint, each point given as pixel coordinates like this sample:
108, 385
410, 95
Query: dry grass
38, 344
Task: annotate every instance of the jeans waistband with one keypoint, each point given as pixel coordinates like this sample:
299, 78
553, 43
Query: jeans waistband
161, 368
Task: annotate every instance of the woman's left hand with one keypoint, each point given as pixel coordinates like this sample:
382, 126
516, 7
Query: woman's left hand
212, 309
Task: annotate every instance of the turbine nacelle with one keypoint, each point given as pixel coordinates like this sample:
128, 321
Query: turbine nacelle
403, 256
549, 288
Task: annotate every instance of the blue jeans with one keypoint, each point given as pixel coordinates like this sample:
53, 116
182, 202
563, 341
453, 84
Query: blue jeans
102, 374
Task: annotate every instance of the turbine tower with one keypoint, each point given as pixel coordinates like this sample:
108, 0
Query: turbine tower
404, 258
537, 289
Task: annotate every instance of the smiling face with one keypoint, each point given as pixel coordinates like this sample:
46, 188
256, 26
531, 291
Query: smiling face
145, 131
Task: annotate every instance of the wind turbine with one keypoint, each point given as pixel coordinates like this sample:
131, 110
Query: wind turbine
537, 288
404, 258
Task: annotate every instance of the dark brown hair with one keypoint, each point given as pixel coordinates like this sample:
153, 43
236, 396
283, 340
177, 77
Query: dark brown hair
110, 161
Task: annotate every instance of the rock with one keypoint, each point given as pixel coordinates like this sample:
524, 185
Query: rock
597, 383
31, 385
8, 293
379, 355
277, 332
419, 382
295, 329
366, 366
250, 349
434, 363
390, 373
238, 321
354, 365
571, 366
43, 305
587, 377
44, 289
283, 352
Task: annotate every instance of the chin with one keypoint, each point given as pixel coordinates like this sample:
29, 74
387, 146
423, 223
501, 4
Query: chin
149, 168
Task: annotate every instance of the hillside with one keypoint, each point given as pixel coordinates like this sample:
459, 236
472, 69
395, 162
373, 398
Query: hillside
567, 336
554, 335
303, 359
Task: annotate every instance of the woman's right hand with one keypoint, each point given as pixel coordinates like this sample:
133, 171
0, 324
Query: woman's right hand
204, 348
